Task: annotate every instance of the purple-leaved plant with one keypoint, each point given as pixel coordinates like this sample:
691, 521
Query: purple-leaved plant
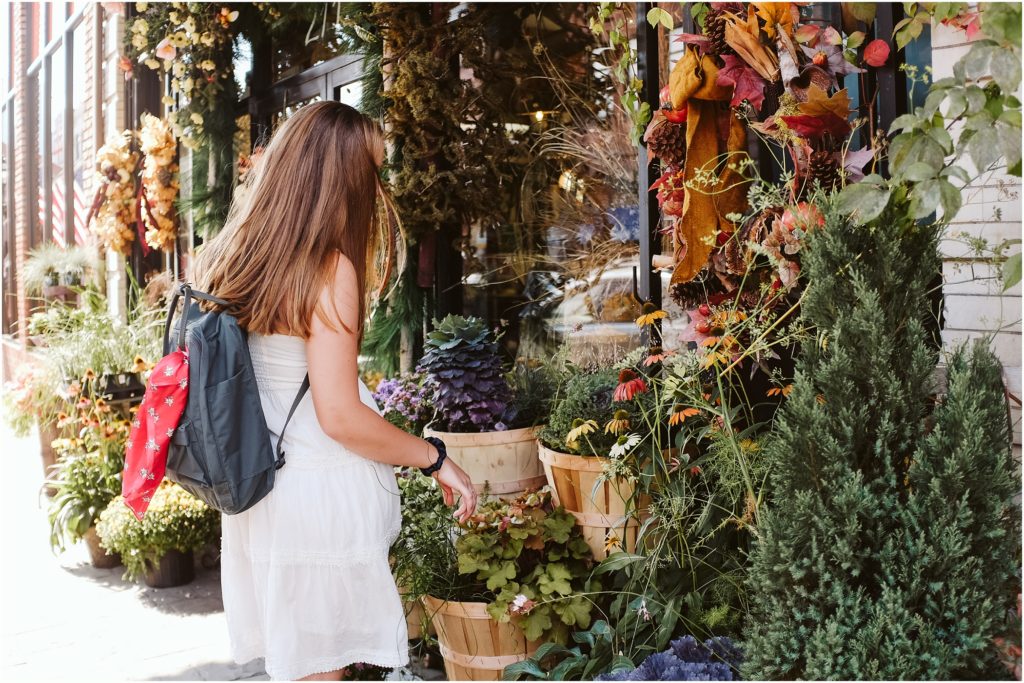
461, 361
716, 659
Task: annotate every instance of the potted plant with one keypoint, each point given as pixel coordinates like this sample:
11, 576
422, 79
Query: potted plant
404, 401
424, 547
85, 485
529, 568
53, 271
594, 429
476, 414
161, 546
33, 397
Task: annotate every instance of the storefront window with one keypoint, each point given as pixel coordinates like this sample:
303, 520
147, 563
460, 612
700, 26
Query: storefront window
82, 123
57, 142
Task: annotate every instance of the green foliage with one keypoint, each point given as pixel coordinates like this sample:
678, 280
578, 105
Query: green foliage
52, 264
85, 484
533, 563
979, 100
175, 520
403, 309
533, 383
423, 555
895, 540
614, 19
586, 395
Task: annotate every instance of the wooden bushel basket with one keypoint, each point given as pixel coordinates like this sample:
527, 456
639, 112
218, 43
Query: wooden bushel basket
572, 479
474, 646
503, 463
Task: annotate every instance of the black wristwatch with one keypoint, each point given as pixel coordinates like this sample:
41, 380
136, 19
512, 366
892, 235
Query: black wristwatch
442, 453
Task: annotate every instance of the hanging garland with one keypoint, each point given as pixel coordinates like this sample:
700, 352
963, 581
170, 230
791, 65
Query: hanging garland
159, 182
754, 68
112, 215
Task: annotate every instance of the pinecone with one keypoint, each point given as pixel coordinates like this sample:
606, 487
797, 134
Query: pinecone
823, 168
667, 141
714, 28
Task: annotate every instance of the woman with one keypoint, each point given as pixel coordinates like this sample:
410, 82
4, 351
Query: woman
305, 572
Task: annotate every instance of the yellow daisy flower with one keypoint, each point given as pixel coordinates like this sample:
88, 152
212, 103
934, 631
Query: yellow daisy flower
649, 314
579, 428
618, 424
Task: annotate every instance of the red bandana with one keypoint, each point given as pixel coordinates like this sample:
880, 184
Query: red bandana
146, 451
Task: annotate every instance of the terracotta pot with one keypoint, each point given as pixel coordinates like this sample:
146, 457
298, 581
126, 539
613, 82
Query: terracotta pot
503, 463
600, 509
175, 568
101, 559
474, 646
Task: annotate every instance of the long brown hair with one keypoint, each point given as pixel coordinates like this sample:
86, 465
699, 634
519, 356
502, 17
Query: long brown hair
315, 189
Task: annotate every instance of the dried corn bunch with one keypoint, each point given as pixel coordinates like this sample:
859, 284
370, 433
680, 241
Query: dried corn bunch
113, 211
159, 182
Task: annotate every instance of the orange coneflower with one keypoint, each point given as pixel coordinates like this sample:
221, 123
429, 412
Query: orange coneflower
63, 420
139, 364
630, 384
102, 406
649, 314
680, 413
89, 375
781, 391
656, 355
74, 389
618, 424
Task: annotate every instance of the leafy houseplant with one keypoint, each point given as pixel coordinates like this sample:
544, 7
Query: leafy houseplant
533, 563
176, 524
51, 265
471, 393
474, 403
585, 396
85, 485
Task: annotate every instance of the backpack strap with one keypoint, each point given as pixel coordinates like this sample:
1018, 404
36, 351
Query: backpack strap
184, 290
295, 404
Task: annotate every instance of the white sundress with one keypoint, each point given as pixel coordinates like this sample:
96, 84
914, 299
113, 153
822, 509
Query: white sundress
304, 572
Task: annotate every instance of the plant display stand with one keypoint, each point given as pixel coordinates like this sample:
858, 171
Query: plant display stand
599, 512
474, 646
101, 559
504, 463
175, 568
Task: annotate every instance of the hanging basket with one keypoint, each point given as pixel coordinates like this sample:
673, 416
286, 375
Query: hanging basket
474, 646
503, 463
600, 512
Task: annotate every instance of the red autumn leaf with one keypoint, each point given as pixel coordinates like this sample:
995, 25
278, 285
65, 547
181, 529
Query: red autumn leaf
747, 83
876, 53
815, 126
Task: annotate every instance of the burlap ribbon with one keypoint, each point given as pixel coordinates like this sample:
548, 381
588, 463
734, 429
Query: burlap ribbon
709, 150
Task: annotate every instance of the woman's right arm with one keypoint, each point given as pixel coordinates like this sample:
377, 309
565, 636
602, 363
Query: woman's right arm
334, 383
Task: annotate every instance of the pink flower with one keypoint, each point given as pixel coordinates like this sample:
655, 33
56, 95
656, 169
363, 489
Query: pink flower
699, 328
630, 384
164, 50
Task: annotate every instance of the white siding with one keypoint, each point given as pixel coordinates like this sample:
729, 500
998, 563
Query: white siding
975, 305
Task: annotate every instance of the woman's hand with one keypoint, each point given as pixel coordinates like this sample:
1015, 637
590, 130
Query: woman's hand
453, 479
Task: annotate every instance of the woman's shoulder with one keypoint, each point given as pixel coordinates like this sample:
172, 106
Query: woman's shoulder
340, 297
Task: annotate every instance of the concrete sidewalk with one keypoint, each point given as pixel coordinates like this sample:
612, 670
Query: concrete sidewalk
62, 619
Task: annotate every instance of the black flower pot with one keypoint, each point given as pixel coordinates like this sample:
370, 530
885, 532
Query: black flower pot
175, 568
127, 386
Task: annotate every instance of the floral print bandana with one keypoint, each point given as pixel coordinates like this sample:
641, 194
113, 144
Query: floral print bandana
146, 450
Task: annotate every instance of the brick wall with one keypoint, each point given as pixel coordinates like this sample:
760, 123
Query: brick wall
975, 305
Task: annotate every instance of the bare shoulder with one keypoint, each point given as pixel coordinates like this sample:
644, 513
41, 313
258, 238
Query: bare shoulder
340, 296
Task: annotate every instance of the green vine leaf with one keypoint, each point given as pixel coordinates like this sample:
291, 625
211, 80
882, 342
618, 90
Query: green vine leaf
657, 15
864, 201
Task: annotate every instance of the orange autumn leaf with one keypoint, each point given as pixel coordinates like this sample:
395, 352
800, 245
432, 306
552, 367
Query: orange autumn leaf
776, 14
744, 37
819, 103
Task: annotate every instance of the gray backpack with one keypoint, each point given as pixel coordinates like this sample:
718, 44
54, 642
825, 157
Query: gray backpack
221, 451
